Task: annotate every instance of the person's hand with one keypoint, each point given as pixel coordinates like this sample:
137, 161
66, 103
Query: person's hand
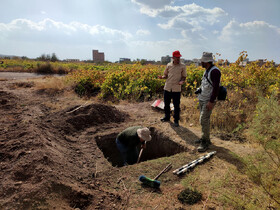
181, 82
210, 106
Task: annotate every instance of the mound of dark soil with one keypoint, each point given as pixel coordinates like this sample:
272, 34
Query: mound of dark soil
78, 118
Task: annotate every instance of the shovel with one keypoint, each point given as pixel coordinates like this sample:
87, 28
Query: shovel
140, 154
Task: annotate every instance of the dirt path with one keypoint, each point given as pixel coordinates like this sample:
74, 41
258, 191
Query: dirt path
56, 148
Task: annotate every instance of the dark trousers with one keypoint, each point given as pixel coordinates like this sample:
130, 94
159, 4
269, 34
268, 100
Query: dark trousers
129, 154
175, 96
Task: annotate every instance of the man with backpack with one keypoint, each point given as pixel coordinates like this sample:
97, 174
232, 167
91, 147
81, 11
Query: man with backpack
207, 94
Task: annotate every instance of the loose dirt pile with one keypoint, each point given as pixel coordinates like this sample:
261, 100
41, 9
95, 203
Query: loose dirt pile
78, 118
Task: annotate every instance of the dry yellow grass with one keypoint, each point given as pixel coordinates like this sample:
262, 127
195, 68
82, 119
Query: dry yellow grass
55, 83
189, 111
228, 116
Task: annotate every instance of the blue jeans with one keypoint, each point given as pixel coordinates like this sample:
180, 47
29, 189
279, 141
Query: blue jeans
129, 154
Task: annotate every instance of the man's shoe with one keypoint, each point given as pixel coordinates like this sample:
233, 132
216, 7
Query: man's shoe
198, 141
164, 119
176, 123
203, 146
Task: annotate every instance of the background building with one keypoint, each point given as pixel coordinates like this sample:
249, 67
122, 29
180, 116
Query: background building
98, 56
197, 62
244, 62
124, 60
72, 60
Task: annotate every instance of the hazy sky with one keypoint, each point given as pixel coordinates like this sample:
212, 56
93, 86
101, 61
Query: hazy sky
144, 29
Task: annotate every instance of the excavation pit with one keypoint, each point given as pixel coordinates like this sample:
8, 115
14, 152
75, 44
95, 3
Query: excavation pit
159, 146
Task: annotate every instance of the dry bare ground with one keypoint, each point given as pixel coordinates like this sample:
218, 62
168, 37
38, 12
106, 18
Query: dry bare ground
57, 151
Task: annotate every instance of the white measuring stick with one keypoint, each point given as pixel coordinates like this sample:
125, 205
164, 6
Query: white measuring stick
190, 165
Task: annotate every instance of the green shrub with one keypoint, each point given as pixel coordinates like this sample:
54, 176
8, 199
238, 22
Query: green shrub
86, 87
132, 84
189, 196
264, 167
45, 68
88, 82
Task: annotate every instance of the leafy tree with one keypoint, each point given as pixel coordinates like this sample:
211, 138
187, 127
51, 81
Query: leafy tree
48, 57
54, 57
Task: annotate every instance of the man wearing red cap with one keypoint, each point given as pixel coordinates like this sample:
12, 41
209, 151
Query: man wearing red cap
175, 75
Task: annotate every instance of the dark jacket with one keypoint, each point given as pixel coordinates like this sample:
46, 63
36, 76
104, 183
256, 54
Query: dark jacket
129, 136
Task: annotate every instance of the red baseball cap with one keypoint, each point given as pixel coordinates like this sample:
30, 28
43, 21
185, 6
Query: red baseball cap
176, 54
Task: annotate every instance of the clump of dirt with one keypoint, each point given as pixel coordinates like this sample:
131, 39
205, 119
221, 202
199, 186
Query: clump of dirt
78, 118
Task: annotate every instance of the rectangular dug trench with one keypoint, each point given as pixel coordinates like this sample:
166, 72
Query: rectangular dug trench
159, 146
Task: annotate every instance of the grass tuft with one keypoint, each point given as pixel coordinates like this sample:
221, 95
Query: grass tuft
189, 196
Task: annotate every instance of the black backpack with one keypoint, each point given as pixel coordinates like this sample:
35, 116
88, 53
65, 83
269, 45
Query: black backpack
222, 91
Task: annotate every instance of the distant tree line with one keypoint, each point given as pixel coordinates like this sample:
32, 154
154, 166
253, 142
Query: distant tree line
48, 57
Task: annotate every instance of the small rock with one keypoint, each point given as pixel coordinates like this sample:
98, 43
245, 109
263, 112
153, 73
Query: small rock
18, 183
